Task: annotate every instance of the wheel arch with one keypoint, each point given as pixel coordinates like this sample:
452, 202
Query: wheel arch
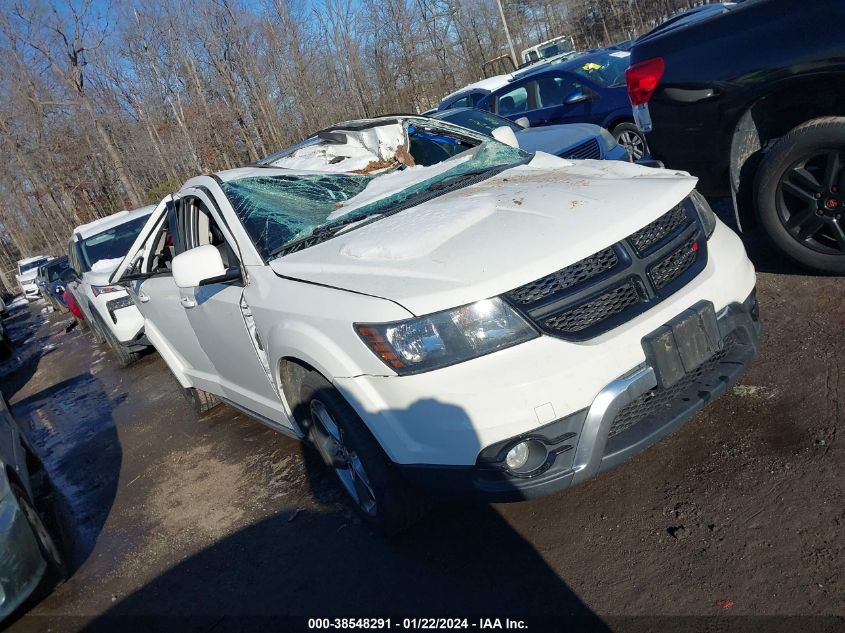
770, 117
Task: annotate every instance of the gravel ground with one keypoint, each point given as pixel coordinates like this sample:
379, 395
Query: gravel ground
741, 512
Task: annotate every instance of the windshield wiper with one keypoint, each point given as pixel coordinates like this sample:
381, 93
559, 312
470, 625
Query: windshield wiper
451, 181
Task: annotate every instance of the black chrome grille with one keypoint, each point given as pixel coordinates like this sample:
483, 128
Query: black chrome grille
674, 265
658, 400
618, 283
566, 278
595, 310
588, 149
651, 235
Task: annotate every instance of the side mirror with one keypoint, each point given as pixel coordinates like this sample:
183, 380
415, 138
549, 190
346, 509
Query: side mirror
523, 122
505, 135
196, 265
578, 96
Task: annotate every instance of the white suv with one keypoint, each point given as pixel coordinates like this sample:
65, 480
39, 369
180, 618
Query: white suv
94, 251
26, 274
433, 309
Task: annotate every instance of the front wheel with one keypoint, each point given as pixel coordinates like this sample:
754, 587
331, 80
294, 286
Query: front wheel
380, 495
629, 136
800, 191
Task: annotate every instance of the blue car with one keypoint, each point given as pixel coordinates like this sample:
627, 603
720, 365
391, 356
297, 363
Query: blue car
50, 283
589, 88
576, 140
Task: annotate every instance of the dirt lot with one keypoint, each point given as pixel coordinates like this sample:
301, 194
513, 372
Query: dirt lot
741, 512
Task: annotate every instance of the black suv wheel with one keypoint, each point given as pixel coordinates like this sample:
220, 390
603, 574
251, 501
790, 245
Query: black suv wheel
801, 194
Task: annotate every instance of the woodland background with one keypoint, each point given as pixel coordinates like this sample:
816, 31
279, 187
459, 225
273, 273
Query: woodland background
111, 105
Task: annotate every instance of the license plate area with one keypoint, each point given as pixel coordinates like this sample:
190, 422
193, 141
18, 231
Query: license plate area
683, 344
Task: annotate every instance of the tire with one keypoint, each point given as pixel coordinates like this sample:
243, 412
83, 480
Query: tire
82, 323
380, 495
96, 333
125, 357
202, 401
50, 550
629, 136
805, 216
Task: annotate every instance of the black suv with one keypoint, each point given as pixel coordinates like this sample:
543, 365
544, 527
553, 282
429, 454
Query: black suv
750, 97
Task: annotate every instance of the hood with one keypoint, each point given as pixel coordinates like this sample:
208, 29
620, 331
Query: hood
555, 139
494, 236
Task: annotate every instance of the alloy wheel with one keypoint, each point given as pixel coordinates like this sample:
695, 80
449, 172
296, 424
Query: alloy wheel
810, 201
345, 461
632, 142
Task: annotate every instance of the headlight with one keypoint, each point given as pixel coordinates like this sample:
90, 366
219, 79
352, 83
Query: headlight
101, 290
705, 213
445, 338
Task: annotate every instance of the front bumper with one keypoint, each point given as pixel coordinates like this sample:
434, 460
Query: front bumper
20, 558
31, 291
626, 417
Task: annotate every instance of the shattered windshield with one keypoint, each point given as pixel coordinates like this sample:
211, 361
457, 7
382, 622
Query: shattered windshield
277, 210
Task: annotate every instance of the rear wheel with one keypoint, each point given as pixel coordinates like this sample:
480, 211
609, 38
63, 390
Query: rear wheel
629, 136
801, 194
202, 401
382, 498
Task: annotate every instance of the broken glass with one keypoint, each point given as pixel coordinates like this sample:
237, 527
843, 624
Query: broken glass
277, 210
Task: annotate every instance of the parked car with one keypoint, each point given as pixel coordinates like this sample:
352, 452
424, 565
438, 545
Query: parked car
27, 549
469, 96
94, 251
751, 99
561, 45
27, 270
573, 141
432, 309
49, 281
587, 89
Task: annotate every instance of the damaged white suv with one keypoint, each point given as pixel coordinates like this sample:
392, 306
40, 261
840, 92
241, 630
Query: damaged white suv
437, 311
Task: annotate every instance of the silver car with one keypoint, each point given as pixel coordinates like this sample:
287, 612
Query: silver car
27, 550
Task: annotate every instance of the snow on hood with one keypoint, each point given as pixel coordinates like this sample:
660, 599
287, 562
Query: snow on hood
106, 265
493, 236
362, 147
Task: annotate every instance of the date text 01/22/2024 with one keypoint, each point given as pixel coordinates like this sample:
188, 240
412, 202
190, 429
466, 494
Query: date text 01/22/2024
435, 624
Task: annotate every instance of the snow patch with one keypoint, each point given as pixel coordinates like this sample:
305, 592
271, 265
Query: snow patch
106, 265
388, 184
360, 149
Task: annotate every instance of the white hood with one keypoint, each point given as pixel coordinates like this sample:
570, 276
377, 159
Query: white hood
494, 236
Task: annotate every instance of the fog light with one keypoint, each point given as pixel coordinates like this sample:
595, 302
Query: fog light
517, 457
